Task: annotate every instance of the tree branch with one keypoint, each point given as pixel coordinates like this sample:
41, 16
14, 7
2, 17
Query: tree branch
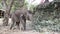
5, 4
10, 5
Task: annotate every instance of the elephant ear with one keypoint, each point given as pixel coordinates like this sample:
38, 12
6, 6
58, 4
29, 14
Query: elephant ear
29, 15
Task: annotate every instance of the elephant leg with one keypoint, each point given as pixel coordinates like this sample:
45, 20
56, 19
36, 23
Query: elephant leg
17, 23
24, 22
12, 25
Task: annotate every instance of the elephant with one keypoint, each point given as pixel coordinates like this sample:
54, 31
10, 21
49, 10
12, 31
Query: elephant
19, 17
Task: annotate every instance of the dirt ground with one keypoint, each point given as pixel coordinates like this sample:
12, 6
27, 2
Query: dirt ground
6, 30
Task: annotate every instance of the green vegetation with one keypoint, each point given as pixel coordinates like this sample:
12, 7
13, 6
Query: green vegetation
45, 17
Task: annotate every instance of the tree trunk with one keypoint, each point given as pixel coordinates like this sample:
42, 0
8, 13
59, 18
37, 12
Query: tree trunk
7, 12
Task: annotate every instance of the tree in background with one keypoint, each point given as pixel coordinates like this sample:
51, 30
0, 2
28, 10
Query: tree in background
10, 6
7, 7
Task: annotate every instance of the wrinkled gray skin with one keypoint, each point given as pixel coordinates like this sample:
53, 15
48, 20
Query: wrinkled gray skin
19, 17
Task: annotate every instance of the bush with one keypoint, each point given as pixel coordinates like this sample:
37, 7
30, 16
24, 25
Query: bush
46, 20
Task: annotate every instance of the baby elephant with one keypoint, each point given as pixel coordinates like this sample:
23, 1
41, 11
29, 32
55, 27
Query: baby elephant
19, 17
